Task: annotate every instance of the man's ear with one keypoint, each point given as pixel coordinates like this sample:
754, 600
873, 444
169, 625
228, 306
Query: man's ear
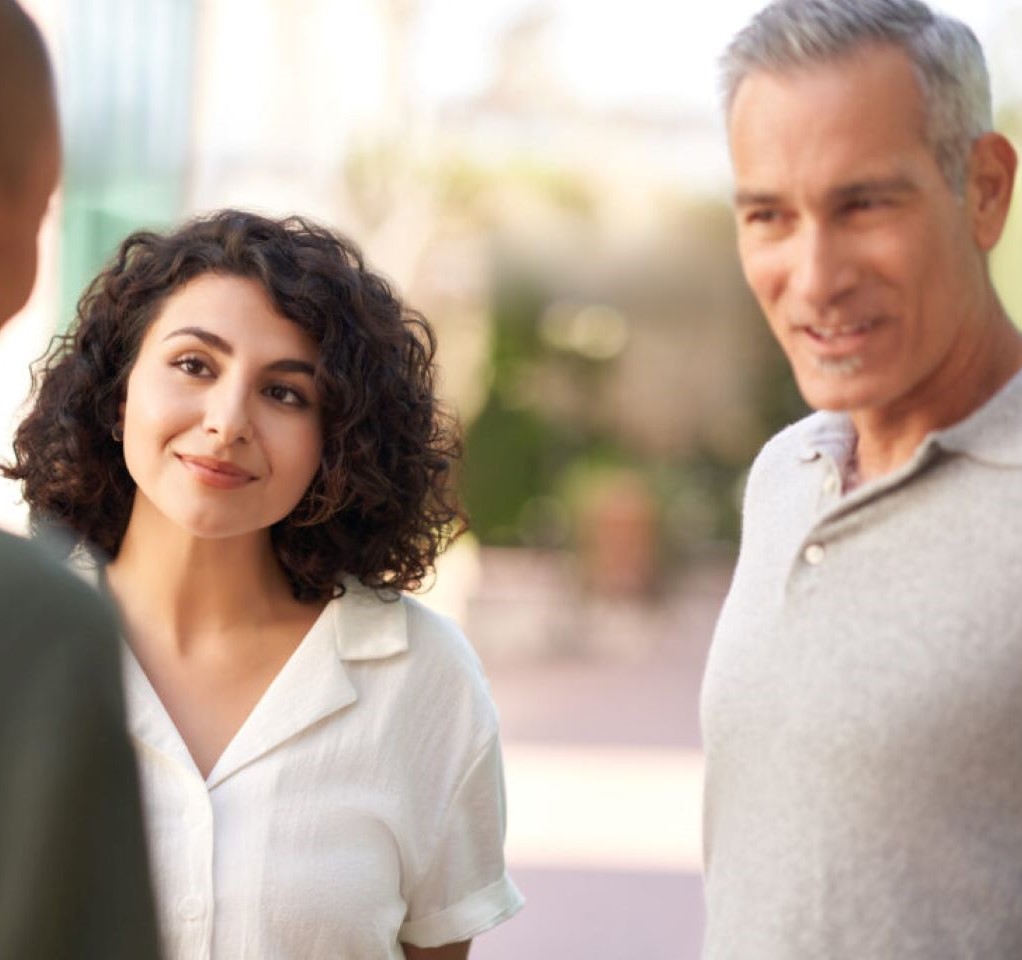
988, 188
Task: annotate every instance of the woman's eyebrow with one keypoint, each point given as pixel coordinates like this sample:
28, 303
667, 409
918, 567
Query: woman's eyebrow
292, 366
218, 343
207, 337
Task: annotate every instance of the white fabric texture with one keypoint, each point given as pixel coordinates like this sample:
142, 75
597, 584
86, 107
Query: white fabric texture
360, 805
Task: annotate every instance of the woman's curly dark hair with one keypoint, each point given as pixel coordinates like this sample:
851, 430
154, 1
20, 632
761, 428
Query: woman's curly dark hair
381, 505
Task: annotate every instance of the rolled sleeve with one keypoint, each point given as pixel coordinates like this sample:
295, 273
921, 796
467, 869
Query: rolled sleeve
466, 889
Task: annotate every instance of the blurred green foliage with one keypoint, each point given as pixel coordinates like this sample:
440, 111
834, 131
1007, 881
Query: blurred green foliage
530, 473
1006, 260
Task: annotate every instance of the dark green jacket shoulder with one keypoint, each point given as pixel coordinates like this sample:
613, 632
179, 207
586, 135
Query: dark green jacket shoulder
74, 879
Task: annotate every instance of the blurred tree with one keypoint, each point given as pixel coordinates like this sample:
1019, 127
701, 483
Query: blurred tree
1007, 256
1002, 57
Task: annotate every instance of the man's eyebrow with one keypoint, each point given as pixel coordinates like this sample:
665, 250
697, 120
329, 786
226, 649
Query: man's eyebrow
755, 198
886, 185
218, 343
848, 191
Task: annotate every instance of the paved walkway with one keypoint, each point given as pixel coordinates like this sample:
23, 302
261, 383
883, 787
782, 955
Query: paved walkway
599, 707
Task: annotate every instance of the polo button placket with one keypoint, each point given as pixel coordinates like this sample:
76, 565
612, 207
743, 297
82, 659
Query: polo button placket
814, 554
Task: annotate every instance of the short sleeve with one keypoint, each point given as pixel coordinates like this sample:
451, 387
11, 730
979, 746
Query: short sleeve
465, 890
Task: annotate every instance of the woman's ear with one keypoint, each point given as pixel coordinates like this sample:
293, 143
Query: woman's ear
117, 432
988, 189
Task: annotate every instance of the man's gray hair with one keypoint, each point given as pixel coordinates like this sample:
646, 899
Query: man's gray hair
948, 60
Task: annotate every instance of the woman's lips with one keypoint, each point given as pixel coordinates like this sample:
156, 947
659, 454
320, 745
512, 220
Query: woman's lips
216, 473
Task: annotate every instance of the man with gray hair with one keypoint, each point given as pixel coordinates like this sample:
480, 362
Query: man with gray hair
74, 881
862, 703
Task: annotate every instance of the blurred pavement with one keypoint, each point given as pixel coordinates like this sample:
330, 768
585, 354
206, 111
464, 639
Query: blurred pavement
599, 710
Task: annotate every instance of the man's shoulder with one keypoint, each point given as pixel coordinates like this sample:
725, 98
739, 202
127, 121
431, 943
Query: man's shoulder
24, 563
38, 594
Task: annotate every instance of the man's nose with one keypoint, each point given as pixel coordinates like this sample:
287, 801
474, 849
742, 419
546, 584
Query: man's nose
823, 269
227, 414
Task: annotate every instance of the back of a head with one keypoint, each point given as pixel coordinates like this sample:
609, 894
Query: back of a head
948, 60
26, 92
29, 152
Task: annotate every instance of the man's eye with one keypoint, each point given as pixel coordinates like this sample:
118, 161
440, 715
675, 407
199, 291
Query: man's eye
858, 204
766, 216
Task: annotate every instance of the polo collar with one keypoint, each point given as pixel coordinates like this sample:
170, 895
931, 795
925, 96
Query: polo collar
992, 434
827, 434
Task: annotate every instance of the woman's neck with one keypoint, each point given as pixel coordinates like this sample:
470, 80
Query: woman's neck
211, 622
185, 588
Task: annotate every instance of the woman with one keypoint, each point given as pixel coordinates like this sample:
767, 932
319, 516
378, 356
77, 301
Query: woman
244, 422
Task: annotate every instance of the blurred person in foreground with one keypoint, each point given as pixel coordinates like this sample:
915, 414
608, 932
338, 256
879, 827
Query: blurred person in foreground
73, 876
862, 703
243, 420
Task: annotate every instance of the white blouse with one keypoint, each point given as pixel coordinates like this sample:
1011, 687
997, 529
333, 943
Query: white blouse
360, 805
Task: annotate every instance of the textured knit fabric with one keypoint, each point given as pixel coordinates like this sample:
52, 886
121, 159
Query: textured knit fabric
73, 876
862, 704
360, 805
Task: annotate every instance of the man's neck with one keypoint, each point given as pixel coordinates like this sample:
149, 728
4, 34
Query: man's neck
888, 438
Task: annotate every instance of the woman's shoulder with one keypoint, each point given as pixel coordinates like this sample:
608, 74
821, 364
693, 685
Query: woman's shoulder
422, 658
426, 626
442, 653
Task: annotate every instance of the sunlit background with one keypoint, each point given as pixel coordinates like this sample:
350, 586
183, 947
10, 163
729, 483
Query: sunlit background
548, 182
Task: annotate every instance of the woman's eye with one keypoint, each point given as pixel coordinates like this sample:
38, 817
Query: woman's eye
286, 395
192, 366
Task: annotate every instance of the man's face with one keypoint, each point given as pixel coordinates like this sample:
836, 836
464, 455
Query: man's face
858, 251
21, 213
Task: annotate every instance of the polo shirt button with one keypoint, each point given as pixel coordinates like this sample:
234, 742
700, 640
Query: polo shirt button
814, 554
830, 483
190, 908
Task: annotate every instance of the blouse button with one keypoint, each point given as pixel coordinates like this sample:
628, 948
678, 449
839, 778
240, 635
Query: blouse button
814, 554
190, 908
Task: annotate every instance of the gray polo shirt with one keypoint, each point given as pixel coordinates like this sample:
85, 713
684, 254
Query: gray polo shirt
862, 704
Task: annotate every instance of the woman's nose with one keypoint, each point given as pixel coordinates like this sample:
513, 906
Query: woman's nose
227, 415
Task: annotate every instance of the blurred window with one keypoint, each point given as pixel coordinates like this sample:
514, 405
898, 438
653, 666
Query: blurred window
126, 102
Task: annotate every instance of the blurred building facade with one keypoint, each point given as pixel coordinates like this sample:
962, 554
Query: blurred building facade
577, 259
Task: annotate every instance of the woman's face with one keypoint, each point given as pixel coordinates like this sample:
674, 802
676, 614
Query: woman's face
222, 424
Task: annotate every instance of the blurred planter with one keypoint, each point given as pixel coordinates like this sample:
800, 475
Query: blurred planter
618, 546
